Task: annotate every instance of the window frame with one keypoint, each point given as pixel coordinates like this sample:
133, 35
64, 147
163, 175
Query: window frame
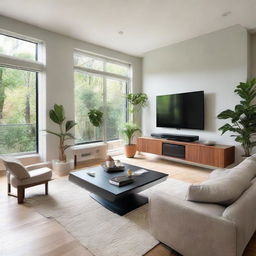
105, 76
37, 66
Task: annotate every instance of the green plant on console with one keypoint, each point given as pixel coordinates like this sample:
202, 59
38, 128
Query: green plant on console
57, 115
95, 117
129, 131
243, 117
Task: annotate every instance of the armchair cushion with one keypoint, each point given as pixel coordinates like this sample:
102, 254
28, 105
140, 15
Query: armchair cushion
16, 168
36, 176
37, 166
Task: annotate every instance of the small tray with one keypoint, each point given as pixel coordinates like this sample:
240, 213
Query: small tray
120, 168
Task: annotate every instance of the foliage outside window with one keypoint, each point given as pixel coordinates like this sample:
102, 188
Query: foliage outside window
18, 48
100, 84
18, 99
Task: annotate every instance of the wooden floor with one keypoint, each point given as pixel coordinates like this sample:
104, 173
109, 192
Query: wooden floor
25, 232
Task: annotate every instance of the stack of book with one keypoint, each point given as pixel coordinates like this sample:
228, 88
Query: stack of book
121, 181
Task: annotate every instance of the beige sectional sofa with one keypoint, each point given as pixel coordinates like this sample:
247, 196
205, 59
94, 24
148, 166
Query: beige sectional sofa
205, 228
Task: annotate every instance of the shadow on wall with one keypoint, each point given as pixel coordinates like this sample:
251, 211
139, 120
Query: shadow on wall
210, 112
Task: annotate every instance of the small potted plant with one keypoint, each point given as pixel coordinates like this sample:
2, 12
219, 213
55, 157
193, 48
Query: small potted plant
243, 117
57, 115
129, 131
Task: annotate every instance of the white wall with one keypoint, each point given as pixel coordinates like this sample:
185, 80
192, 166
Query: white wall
215, 63
58, 86
253, 56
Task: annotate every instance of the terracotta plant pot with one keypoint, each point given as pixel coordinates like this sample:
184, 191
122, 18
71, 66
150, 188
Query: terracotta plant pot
130, 150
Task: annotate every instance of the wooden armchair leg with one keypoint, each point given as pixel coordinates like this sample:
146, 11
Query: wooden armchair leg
9, 188
21, 194
46, 188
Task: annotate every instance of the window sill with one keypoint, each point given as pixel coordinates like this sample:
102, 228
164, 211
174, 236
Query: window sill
22, 155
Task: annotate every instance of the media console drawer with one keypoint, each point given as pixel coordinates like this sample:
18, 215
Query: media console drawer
217, 156
174, 150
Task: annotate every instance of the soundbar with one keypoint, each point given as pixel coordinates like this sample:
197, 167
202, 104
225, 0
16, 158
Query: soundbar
176, 137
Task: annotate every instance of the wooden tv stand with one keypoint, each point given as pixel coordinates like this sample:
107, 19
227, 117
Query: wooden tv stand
217, 156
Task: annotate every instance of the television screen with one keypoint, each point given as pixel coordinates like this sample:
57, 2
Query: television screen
184, 110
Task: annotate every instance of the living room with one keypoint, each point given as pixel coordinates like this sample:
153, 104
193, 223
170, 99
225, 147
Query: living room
127, 128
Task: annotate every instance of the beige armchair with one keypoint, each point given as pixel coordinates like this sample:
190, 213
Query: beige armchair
22, 177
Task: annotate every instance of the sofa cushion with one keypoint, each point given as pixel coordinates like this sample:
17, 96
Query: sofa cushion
217, 173
245, 168
173, 189
224, 190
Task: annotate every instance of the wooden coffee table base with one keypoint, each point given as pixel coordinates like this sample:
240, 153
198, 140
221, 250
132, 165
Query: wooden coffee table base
122, 205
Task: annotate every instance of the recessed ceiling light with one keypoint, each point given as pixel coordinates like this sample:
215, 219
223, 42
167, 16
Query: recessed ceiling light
225, 14
120, 32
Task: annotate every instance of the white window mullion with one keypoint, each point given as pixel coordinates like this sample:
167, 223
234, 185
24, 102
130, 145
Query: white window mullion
12, 62
98, 72
104, 106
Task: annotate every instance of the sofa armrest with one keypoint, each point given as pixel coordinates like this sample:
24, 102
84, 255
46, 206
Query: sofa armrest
243, 213
37, 166
187, 229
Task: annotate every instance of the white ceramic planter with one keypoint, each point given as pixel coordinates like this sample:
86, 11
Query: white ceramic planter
62, 168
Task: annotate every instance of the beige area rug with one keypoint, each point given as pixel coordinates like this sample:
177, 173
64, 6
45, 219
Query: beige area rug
102, 232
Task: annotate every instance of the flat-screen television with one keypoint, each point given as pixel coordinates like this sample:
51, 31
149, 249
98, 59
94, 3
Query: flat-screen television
183, 110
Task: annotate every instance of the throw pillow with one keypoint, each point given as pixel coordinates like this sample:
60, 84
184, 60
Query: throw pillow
224, 190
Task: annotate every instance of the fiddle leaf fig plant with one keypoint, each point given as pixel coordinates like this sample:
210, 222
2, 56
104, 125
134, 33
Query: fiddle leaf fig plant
243, 117
95, 117
57, 115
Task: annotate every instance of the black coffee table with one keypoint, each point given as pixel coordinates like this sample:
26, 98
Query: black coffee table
120, 200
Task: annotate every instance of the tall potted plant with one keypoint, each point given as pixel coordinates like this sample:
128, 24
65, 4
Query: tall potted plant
57, 115
243, 117
129, 131
136, 101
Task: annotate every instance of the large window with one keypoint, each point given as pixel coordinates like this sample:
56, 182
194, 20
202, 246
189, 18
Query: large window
100, 84
18, 96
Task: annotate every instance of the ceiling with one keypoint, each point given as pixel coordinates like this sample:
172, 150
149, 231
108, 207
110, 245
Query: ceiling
146, 24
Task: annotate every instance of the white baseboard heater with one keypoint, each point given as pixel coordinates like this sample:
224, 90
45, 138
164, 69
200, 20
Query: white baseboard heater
86, 152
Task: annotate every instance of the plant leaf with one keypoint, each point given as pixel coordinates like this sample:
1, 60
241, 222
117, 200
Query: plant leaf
95, 117
70, 124
59, 111
54, 117
226, 114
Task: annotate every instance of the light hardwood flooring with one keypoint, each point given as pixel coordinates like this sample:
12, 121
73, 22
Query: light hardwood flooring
25, 232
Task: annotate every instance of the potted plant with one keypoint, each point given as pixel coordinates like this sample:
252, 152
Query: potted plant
129, 131
136, 102
57, 115
243, 117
